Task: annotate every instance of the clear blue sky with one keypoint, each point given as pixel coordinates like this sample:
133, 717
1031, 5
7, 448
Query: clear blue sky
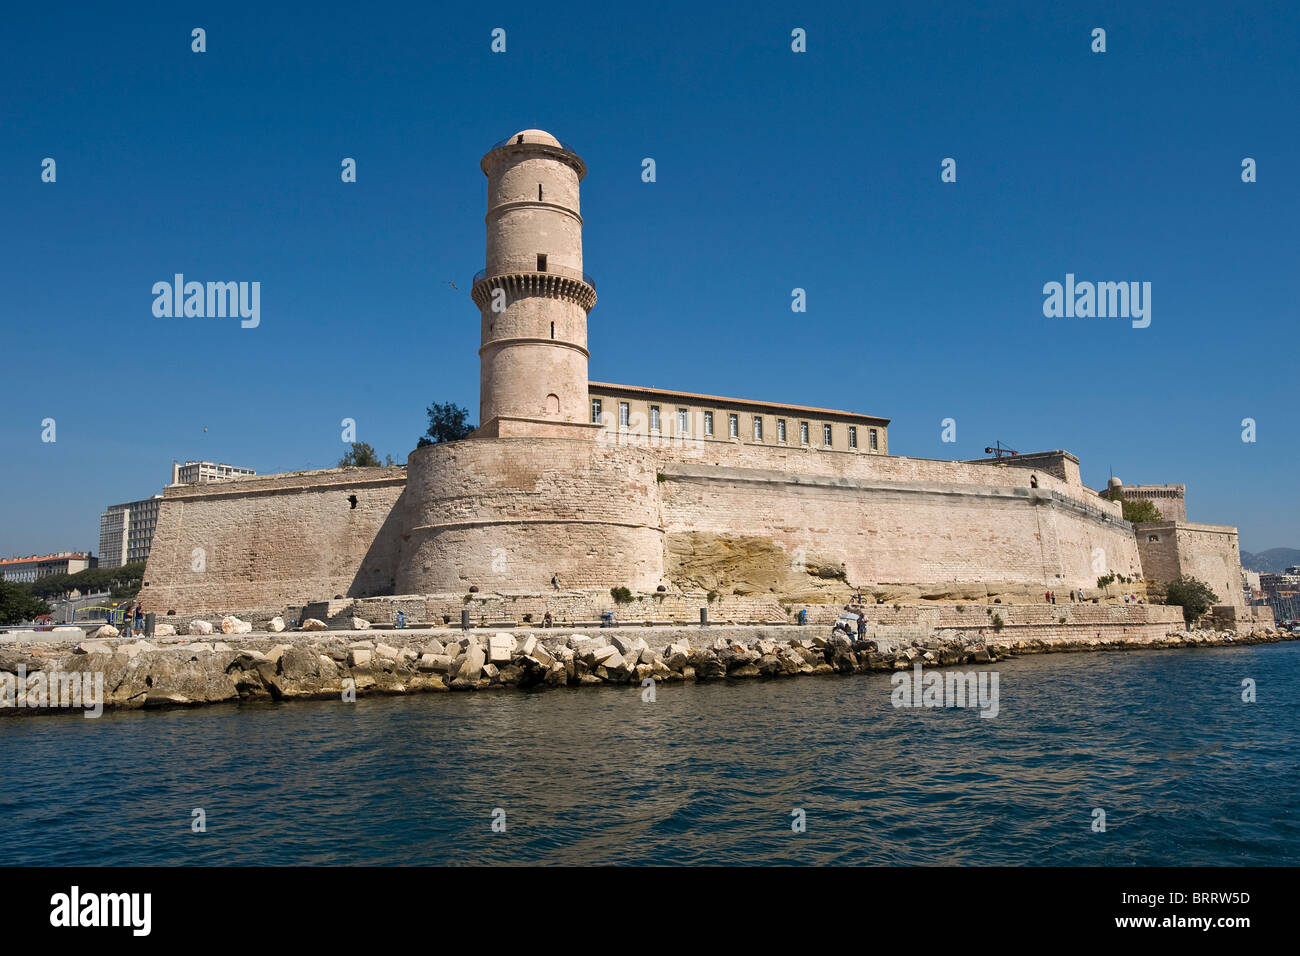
775, 171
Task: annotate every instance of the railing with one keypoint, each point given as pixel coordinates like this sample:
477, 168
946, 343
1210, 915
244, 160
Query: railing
557, 270
511, 139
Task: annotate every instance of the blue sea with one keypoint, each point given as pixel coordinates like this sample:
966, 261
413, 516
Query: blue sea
1161, 742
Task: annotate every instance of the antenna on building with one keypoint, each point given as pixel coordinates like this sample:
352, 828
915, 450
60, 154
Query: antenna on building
998, 450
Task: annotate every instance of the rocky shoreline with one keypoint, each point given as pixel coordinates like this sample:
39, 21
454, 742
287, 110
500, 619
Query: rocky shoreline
321, 665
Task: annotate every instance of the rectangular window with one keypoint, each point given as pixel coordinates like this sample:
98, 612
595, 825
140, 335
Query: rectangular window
826, 435
595, 410
875, 444
683, 421
541, 262
708, 423
654, 418
803, 433
733, 426
758, 428
853, 436
780, 430
624, 414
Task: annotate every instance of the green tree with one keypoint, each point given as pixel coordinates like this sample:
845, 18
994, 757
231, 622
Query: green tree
1139, 511
446, 423
1194, 596
18, 604
361, 456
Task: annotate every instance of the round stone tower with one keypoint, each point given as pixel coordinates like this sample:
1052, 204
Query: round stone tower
533, 295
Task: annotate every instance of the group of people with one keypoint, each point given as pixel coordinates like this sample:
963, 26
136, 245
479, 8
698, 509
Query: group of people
1076, 594
132, 619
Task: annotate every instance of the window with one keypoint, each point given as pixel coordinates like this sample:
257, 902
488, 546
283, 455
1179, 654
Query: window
654, 418
1153, 537
623, 414
539, 192
552, 330
595, 410
853, 436
683, 422
875, 445
758, 428
826, 435
708, 423
803, 433
780, 430
733, 426
541, 262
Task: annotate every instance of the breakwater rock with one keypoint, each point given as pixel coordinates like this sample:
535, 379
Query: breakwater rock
179, 671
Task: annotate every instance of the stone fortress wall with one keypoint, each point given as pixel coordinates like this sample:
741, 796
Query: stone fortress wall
275, 540
549, 493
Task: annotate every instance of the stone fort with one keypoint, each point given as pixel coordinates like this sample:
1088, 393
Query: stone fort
570, 488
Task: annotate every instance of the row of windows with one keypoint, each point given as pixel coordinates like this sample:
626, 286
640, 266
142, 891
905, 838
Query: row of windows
733, 425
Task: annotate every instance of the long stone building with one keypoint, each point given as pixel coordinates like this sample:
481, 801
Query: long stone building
578, 486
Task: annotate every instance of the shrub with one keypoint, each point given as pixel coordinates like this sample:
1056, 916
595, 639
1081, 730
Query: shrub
1191, 594
1106, 579
998, 623
621, 595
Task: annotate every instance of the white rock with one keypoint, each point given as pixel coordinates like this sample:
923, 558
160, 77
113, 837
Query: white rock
164, 630
602, 654
105, 630
312, 624
200, 627
526, 646
64, 628
233, 625
360, 624
359, 657
629, 648
501, 647
276, 652
222, 646
435, 647
275, 625
93, 647
388, 651
472, 666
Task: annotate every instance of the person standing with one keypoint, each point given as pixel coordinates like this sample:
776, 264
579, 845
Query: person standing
862, 626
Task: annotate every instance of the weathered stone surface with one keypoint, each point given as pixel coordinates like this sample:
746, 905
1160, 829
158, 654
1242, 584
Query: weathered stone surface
387, 651
360, 624
359, 657
314, 624
275, 625
199, 627
105, 630
164, 630
501, 648
471, 668
94, 647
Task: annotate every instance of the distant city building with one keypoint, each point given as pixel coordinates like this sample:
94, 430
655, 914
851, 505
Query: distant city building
126, 532
197, 472
1282, 592
33, 568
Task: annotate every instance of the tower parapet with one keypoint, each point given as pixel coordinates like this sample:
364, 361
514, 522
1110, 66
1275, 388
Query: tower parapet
533, 296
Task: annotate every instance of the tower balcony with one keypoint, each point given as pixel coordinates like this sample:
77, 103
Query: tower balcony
556, 282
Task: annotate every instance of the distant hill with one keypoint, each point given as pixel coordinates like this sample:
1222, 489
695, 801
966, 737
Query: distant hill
1275, 560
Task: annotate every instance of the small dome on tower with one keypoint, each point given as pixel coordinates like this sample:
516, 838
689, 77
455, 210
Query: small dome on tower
1114, 483
535, 136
